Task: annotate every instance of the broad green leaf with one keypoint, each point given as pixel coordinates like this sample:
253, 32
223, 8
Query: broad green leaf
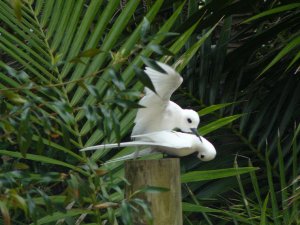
188, 207
295, 59
62, 27
279, 9
274, 202
13, 97
263, 217
57, 147
150, 189
87, 53
283, 182
147, 210
186, 57
117, 79
17, 6
218, 124
181, 41
255, 185
145, 29
243, 193
289, 47
109, 41
117, 127
214, 174
19, 202
24, 135
57, 199
42, 159
63, 109
126, 103
5, 213
126, 213
213, 108
59, 215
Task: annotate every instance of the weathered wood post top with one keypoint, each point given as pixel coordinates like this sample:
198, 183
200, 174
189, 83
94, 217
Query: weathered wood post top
165, 206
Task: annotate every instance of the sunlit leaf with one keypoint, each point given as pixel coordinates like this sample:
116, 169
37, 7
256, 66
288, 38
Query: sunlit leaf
213, 108
218, 124
61, 215
5, 213
150, 189
214, 174
17, 6
85, 54
13, 97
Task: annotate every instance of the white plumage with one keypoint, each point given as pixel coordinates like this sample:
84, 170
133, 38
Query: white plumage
160, 113
169, 142
154, 124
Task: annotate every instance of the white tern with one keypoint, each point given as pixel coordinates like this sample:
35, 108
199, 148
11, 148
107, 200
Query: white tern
160, 113
169, 142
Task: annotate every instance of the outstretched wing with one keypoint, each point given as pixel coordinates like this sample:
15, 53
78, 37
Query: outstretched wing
155, 139
120, 145
164, 83
169, 139
155, 103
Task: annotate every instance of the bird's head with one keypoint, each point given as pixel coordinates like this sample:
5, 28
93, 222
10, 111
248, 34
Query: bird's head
190, 122
206, 150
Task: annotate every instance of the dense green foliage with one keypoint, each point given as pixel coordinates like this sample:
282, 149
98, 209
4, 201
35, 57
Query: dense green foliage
70, 77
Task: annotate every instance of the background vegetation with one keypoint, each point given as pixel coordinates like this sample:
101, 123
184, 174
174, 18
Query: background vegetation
70, 78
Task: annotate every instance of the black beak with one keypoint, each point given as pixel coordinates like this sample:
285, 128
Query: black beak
195, 131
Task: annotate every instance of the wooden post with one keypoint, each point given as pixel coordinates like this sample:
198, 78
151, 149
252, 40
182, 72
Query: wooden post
165, 206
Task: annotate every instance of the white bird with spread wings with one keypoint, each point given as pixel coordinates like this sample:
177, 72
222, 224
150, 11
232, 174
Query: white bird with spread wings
160, 113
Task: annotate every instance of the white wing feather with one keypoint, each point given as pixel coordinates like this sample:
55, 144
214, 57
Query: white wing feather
171, 139
156, 103
163, 139
121, 145
165, 83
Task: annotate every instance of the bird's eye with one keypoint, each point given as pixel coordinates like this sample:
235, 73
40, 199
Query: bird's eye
189, 120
